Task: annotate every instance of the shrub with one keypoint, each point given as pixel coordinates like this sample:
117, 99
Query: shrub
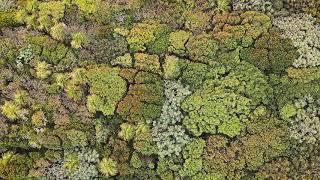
178, 39
304, 119
75, 138
108, 167
202, 48
172, 67
127, 131
15, 109
249, 152
14, 165
171, 138
106, 88
58, 31
265, 6
125, 61
6, 5
230, 99
42, 70
41, 15
143, 100
194, 149
147, 62
144, 35
197, 21
38, 119
25, 56
8, 19
87, 6
191, 167
78, 164
79, 40
10, 110
223, 5
305, 36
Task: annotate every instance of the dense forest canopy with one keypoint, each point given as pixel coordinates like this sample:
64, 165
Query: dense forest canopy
160, 89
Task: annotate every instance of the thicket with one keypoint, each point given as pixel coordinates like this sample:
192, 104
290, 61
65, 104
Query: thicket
164, 89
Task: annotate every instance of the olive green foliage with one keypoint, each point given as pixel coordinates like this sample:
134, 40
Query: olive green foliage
8, 19
191, 167
223, 5
147, 62
127, 131
141, 105
41, 15
178, 39
42, 70
14, 165
8, 51
106, 88
144, 99
194, 74
108, 167
202, 48
172, 67
194, 149
229, 98
299, 82
271, 53
58, 31
75, 138
249, 152
87, 7
10, 110
197, 21
14, 109
151, 37
52, 51
257, 43
78, 40
125, 61
193, 161
162, 89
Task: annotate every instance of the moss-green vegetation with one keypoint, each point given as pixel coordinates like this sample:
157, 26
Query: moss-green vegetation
162, 89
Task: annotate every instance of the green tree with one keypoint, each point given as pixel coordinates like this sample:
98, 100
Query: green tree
225, 102
108, 167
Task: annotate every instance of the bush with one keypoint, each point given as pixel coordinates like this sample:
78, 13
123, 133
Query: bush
166, 89
58, 31
8, 19
229, 98
305, 36
79, 40
106, 88
108, 167
303, 118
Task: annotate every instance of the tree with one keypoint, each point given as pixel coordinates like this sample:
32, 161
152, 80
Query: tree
108, 167
224, 103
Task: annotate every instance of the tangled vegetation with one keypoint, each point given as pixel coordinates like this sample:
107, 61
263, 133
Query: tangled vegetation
163, 89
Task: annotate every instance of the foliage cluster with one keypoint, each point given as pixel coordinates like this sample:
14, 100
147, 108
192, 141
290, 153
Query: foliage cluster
164, 89
170, 137
305, 36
